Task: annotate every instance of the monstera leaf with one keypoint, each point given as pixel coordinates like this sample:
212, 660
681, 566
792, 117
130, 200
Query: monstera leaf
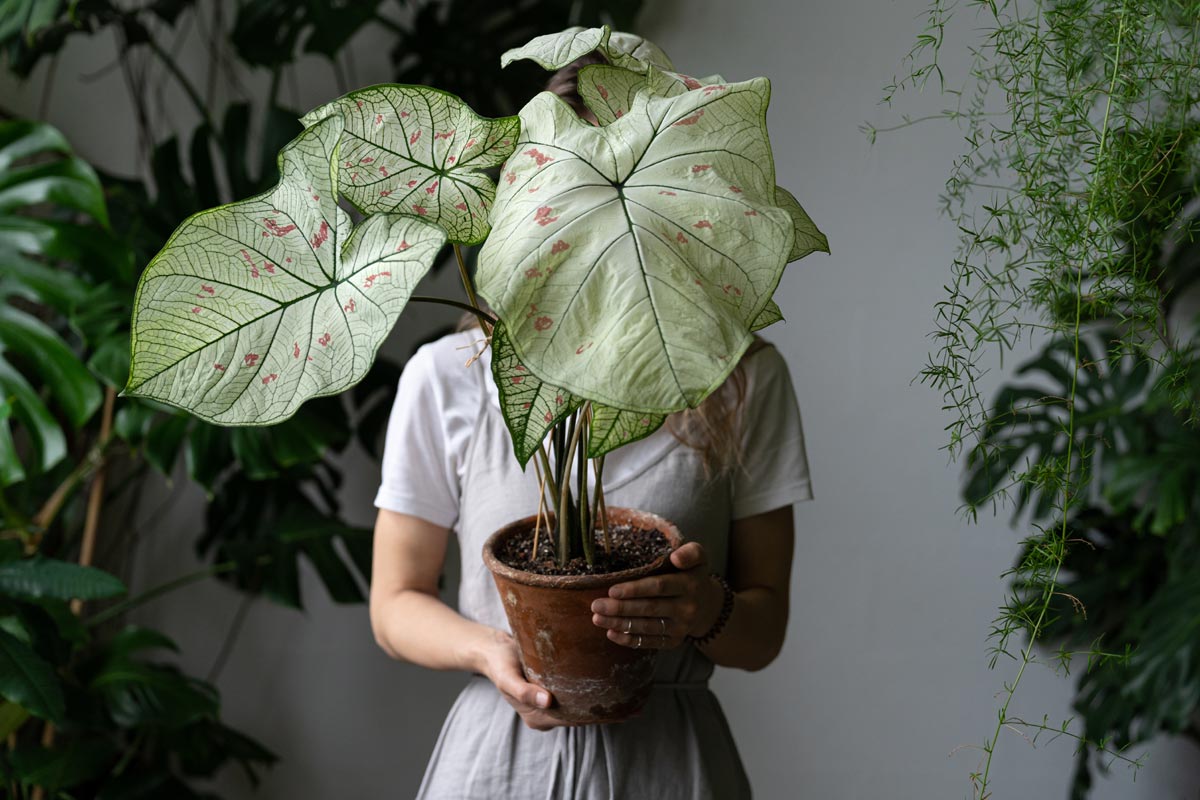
416, 150
557, 50
629, 261
254, 307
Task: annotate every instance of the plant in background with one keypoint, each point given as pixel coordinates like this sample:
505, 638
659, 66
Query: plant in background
273, 492
602, 245
1077, 202
115, 723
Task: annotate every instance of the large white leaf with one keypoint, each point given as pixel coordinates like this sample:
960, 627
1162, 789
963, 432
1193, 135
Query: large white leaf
254, 307
557, 50
628, 261
417, 150
609, 90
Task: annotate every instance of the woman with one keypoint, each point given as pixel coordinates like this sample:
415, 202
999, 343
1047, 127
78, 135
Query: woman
726, 474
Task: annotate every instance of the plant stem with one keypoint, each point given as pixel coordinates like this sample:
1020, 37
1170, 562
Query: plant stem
466, 279
1048, 591
87, 549
188, 88
483, 315
600, 505
165, 588
586, 535
564, 521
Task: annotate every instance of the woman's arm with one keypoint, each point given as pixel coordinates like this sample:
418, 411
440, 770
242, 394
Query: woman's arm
688, 602
411, 623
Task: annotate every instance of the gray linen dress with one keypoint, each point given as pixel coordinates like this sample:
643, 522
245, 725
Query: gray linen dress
680, 746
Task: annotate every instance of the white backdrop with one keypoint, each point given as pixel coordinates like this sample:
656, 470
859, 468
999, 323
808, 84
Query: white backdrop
884, 674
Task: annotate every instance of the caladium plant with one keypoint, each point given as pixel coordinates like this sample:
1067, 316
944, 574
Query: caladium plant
627, 263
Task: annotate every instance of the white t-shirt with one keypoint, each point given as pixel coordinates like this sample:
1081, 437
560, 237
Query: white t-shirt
435, 412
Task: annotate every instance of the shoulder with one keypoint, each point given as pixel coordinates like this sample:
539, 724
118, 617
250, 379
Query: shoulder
442, 363
763, 363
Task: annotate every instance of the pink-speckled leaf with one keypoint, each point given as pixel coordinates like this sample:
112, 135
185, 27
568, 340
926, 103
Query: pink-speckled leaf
628, 261
531, 407
417, 150
609, 90
611, 428
557, 50
254, 307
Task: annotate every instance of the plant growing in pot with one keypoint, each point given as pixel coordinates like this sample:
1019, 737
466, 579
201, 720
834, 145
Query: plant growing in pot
607, 262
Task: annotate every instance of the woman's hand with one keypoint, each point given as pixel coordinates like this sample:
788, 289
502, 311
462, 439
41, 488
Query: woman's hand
662, 610
503, 668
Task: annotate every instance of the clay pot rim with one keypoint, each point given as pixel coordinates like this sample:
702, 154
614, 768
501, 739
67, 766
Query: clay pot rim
640, 519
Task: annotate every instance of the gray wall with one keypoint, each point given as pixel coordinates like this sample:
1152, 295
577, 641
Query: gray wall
883, 687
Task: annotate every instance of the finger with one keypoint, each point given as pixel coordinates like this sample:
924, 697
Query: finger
657, 626
654, 586
513, 684
689, 556
637, 608
643, 642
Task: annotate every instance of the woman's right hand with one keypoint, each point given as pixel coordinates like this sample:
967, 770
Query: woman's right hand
503, 668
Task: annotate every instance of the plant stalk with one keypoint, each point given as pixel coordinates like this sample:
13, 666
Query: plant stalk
466, 279
564, 521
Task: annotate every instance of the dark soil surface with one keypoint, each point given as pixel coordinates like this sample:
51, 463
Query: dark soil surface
631, 547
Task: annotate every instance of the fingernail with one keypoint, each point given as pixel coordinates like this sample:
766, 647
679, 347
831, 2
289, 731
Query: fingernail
543, 700
616, 591
597, 607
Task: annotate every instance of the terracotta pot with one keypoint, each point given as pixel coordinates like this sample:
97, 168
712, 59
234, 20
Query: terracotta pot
592, 679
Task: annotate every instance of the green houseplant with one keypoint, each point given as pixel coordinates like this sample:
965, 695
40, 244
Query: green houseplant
598, 243
1075, 197
86, 709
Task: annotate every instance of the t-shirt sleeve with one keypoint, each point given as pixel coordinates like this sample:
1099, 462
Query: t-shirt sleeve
419, 475
774, 465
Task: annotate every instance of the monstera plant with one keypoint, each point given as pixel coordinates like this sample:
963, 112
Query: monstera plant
655, 237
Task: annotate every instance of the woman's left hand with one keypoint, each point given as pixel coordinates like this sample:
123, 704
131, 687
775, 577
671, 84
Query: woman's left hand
662, 610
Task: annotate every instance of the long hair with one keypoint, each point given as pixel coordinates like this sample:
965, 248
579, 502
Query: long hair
714, 427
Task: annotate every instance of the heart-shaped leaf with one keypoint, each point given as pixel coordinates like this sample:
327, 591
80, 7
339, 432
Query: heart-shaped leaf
628, 261
417, 150
611, 428
530, 407
254, 307
557, 50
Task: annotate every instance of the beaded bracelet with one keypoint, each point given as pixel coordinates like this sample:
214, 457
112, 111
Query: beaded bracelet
722, 618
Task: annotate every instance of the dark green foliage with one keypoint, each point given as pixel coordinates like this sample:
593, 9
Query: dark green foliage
1128, 591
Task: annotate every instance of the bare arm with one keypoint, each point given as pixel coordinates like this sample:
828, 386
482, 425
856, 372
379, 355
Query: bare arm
411, 623
687, 603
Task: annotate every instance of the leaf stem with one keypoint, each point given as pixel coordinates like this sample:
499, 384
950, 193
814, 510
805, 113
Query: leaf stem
466, 279
483, 315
